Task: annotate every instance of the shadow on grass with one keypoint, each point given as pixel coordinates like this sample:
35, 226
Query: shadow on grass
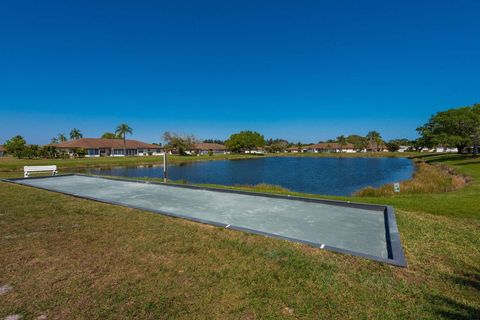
447, 308
470, 279
469, 162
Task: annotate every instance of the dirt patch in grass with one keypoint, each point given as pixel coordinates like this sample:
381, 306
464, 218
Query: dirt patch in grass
428, 178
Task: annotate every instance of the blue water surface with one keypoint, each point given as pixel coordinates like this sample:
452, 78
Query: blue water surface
329, 176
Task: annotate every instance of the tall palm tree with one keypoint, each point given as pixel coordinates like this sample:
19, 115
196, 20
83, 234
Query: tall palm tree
342, 142
54, 140
75, 134
62, 138
374, 139
122, 131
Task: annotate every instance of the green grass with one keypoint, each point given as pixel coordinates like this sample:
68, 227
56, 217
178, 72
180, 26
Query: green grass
13, 164
73, 258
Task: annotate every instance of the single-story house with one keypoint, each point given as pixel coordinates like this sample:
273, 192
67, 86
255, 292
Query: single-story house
296, 149
405, 148
2, 151
446, 149
331, 147
99, 147
207, 148
255, 151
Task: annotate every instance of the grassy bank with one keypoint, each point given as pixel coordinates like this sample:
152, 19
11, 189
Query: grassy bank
13, 164
427, 178
72, 258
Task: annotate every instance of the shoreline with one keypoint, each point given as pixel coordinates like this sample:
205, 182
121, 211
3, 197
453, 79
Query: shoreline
9, 164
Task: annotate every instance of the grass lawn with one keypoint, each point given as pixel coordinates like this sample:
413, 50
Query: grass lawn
13, 164
72, 258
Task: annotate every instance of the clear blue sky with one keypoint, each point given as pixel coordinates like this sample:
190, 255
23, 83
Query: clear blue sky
301, 70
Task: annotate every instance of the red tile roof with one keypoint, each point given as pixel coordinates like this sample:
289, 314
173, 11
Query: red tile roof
97, 143
331, 145
296, 148
2, 148
208, 146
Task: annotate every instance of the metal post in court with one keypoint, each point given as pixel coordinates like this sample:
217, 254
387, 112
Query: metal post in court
165, 167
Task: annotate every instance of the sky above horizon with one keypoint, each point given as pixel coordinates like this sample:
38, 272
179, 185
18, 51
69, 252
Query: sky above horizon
300, 70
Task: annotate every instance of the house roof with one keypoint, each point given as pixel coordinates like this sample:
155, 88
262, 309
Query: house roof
2, 148
296, 148
331, 145
208, 146
97, 143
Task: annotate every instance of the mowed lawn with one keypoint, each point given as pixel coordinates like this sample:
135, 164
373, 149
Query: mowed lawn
72, 258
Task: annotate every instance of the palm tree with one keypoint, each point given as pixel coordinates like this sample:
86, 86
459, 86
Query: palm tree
374, 139
342, 142
122, 131
62, 138
54, 140
75, 134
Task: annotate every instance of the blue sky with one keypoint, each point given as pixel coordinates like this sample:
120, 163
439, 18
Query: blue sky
301, 70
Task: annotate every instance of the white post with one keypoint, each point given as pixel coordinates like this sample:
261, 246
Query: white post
165, 165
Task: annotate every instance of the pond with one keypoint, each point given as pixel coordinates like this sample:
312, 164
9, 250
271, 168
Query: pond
328, 176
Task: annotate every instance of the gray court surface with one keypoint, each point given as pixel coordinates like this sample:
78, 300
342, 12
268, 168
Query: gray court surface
336, 226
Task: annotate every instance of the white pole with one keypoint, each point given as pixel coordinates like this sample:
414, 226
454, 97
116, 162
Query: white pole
165, 175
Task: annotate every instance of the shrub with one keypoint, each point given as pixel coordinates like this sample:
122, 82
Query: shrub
427, 178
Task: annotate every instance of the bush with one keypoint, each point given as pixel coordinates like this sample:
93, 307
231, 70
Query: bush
31, 151
15, 146
426, 179
49, 152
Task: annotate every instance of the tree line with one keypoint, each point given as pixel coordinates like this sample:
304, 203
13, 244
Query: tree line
457, 127
18, 147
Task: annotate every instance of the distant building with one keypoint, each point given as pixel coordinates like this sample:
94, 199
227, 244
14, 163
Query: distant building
98, 147
207, 148
331, 147
255, 151
445, 149
405, 148
2, 151
297, 149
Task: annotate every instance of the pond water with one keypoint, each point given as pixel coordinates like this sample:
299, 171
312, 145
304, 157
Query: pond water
329, 176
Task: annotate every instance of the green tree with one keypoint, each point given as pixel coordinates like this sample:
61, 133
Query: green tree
48, 152
54, 140
122, 131
276, 145
245, 140
110, 135
374, 140
459, 127
15, 146
299, 146
218, 141
62, 138
342, 142
179, 143
30, 151
359, 142
392, 146
75, 134
402, 142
